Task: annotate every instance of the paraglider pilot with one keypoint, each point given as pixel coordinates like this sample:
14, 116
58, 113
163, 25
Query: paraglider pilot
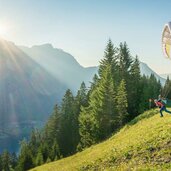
159, 103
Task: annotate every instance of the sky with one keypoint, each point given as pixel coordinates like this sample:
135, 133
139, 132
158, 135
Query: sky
83, 27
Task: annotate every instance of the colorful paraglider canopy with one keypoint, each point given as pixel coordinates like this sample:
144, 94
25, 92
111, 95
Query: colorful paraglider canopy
166, 40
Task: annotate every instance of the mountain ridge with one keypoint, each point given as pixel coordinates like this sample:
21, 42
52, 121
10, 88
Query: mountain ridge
144, 68
166, 75
55, 60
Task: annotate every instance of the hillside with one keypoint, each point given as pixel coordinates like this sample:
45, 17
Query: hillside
144, 143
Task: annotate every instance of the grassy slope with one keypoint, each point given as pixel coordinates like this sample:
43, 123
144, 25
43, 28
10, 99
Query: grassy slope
143, 144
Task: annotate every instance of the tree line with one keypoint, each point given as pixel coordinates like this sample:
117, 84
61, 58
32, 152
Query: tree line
117, 94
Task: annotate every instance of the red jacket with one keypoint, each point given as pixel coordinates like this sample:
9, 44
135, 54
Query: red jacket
159, 104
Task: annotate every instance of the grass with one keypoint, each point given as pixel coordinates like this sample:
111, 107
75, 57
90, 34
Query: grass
143, 144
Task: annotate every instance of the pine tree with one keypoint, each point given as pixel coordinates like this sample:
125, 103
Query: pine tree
144, 90
5, 159
96, 119
125, 62
25, 160
0, 162
107, 113
122, 103
93, 85
53, 125
39, 159
81, 100
109, 57
166, 92
88, 129
48, 160
149, 88
51, 136
34, 142
55, 151
154, 86
13, 160
44, 148
81, 97
134, 92
67, 141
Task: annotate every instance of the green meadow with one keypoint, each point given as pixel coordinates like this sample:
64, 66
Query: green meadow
143, 144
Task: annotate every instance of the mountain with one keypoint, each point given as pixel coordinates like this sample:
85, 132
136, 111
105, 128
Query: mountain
166, 75
146, 70
30, 87
143, 144
61, 65
27, 94
25, 86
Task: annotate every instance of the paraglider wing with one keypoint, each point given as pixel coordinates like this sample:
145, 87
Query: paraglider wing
166, 40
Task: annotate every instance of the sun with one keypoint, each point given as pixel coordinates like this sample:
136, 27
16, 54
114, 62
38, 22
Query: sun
3, 29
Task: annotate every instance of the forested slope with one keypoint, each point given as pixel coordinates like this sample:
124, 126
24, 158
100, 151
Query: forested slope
144, 143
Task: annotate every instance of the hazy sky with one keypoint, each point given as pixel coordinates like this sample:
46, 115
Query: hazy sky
82, 27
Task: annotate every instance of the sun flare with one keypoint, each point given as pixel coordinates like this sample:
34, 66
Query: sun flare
3, 29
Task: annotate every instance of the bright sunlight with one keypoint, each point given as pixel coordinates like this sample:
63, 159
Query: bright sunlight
3, 29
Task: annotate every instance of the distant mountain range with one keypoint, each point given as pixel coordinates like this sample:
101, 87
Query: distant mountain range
61, 65
166, 75
32, 80
146, 70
